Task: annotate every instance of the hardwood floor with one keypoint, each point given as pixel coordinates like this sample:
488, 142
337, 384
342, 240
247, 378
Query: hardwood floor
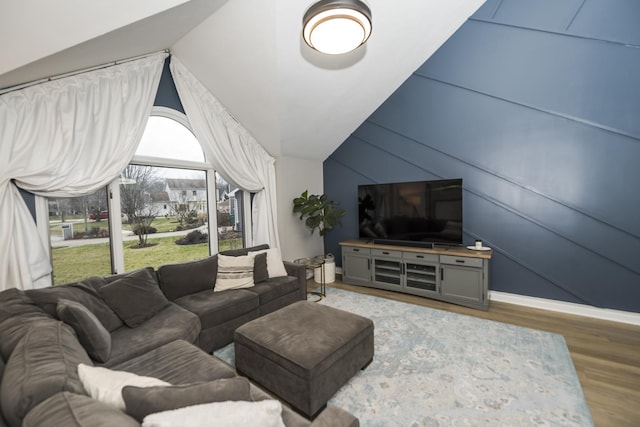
606, 354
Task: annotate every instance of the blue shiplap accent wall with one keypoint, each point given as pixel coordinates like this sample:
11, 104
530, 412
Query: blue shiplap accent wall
167, 95
536, 105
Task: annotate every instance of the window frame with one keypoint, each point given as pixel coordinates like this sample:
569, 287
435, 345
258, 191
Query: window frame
113, 199
205, 166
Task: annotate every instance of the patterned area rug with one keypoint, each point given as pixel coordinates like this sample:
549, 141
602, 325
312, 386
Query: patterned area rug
435, 368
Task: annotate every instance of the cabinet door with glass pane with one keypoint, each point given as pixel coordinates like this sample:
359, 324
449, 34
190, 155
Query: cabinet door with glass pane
421, 274
387, 269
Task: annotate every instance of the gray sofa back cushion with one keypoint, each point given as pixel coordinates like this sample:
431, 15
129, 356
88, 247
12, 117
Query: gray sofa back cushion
14, 302
18, 313
75, 410
186, 278
43, 363
135, 297
83, 292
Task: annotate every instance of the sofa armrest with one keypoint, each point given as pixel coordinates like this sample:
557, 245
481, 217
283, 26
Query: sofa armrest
300, 272
332, 416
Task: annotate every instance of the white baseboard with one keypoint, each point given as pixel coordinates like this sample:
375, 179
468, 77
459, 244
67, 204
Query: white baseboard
561, 306
567, 307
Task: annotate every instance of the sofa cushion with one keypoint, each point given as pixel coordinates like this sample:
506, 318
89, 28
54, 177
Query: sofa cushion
135, 297
13, 330
106, 385
142, 401
275, 288
83, 292
42, 364
275, 266
178, 362
234, 272
18, 313
171, 323
260, 271
215, 308
178, 280
95, 339
14, 302
75, 410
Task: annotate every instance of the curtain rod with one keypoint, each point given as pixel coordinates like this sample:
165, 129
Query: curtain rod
76, 72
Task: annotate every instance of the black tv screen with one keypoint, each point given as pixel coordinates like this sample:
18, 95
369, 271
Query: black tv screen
421, 213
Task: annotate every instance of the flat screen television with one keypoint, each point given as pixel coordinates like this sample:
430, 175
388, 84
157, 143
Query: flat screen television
421, 213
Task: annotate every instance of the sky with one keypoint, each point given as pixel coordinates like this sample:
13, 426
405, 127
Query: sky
164, 137
167, 138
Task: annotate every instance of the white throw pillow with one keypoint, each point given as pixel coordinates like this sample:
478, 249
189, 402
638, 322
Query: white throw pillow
275, 266
106, 385
265, 413
234, 272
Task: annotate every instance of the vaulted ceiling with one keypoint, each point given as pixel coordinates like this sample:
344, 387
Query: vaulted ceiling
248, 53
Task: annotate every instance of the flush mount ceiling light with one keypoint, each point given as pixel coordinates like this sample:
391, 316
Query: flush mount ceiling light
336, 26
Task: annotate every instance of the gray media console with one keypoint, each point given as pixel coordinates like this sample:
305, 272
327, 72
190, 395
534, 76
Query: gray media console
456, 275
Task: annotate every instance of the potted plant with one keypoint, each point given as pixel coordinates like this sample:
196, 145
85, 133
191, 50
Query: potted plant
320, 212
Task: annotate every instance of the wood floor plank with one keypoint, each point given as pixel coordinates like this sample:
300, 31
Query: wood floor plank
606, 354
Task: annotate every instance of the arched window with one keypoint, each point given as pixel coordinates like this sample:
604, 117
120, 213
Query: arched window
168, 137
158, 212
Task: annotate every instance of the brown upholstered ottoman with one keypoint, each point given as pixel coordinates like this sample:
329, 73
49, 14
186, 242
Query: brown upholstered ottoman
304, 352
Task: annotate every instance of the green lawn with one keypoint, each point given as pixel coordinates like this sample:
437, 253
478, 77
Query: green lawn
77, 262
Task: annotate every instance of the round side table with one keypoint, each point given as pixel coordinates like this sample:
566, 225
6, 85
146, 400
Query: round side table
311, 263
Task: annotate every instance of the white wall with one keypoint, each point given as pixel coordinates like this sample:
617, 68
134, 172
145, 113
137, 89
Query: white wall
234, 55
34, 29
293, 177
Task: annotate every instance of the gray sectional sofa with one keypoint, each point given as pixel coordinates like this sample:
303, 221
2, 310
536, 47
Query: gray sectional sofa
162, 324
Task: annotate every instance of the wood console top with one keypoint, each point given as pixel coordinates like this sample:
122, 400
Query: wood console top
454, 251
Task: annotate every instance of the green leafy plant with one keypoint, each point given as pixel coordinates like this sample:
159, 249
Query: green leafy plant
319, 211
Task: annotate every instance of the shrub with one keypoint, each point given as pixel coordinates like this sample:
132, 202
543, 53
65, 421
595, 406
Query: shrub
224, 219
193, 238
144, 229
192, 218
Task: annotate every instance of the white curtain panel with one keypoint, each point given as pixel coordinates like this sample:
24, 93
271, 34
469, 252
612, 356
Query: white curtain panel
66, 137
232, 151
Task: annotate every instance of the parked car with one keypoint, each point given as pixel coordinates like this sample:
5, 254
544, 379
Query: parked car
102, 215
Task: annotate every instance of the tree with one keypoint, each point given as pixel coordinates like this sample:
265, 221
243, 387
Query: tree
138, 181
92, 203
183, 209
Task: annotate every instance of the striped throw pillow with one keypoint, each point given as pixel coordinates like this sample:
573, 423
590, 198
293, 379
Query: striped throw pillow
234, 272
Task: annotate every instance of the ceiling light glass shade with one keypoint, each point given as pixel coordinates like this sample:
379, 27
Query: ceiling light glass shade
335, 27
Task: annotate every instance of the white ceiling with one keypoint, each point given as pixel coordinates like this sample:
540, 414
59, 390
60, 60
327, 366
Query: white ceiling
248, 53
